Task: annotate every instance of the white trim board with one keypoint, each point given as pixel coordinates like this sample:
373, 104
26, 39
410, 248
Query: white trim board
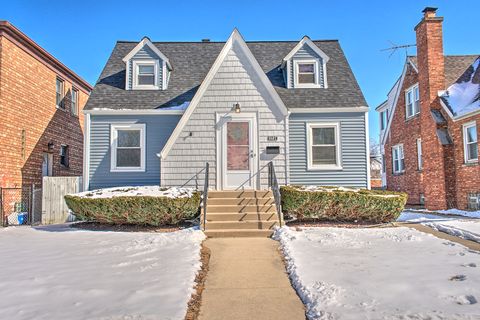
86, 153
146, 42
237, 38
328, 110
395, 100
133, 112
306, 40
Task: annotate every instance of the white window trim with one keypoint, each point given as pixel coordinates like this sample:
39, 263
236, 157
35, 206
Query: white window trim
156, 66
466, 126
113, 146
412, 89
419, 155
393, 159
310, 165
59, 106
72, 100
295, 74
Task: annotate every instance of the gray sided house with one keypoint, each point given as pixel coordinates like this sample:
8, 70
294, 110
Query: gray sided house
161, 110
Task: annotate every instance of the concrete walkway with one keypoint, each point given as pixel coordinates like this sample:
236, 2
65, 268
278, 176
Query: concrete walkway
247, 280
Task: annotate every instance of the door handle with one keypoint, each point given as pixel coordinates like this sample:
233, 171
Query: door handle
252, 154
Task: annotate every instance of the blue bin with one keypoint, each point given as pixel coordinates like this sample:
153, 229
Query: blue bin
22, 217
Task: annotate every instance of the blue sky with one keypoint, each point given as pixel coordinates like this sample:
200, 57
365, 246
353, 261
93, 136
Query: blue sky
82, 33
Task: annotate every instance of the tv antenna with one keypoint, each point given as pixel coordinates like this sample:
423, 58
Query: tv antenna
395, 47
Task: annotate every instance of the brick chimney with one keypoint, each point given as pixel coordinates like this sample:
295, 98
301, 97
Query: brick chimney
431, 79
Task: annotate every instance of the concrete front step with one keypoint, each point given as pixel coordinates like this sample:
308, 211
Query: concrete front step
240, 209
240, 194
251, 225
238, 233
266, 216
240, 201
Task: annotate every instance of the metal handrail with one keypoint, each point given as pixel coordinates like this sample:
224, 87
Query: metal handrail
273, 184
205, 195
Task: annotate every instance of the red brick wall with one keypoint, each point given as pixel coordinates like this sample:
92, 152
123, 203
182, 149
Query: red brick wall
431, 79
405, 132
467, 176
27, 102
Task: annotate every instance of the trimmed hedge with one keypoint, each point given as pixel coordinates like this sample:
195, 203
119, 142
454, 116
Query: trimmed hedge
139, 210
372, 206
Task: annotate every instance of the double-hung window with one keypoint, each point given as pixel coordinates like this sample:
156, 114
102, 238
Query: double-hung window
398, 159
145, 74
383, 119
306, 73
470, 142
64, 155
323, 146
128, 147
412, 99
419, 154
59, 94
74, 102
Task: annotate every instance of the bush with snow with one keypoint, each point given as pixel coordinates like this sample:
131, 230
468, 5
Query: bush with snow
342, 204
150, 205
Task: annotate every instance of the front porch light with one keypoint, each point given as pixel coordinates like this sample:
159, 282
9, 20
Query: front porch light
236, 107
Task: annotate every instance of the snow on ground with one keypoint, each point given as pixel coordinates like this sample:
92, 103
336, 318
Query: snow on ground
453, 212
151, 191
57, 272
381, 273
468, 229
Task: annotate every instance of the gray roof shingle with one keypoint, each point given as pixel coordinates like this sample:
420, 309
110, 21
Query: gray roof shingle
191, 62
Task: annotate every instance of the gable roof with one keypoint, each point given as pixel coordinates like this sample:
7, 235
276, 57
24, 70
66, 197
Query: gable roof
193, 60
234, 39
305, 40
455, 66
146, 42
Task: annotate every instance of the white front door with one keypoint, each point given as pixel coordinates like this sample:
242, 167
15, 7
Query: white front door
238, 151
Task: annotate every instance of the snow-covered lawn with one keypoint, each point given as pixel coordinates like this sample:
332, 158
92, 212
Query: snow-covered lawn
381, 273
468, 229
57, 272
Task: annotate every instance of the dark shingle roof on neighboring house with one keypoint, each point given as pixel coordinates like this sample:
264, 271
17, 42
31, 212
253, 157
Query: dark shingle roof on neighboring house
191, 62
455, 66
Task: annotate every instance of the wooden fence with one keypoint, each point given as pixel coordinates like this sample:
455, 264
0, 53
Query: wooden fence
54, 208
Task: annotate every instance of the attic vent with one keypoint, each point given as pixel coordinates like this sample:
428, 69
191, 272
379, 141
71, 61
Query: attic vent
206, 40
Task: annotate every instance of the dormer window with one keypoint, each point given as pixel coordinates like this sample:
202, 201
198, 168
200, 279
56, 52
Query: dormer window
145, 74
146, 67
305, 66
306, 73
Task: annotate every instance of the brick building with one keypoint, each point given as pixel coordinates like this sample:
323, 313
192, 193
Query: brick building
41, 119
429, 122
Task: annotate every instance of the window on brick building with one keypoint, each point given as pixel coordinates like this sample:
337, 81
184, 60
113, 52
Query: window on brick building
470, 142
64, 155
419, 154
59, 94
383, 119
412, 101
398, 159
74, 102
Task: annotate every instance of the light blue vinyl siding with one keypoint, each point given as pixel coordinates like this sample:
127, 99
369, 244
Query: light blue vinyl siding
307, 53
143, 54
353, 151
158, 130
